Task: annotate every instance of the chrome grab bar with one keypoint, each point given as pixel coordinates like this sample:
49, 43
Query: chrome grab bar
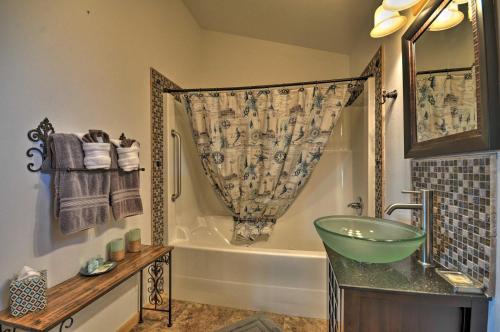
177, 158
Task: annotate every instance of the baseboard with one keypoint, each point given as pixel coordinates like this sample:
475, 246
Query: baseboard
130, 323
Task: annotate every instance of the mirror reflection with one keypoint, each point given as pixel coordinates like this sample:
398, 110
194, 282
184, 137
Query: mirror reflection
445, 75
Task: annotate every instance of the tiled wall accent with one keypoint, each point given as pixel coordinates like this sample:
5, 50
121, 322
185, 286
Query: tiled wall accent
464, 213
375, 68
158, 208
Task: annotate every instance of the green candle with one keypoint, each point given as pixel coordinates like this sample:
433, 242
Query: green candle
134, 234
117, 245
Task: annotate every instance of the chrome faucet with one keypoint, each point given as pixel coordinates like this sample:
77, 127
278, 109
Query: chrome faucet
357, 206
426, 219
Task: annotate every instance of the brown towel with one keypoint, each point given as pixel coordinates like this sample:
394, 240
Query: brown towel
81, 199
125, 196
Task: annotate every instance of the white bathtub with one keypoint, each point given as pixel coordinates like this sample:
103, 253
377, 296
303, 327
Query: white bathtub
208, 269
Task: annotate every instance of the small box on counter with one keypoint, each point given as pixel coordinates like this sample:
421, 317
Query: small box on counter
28, 295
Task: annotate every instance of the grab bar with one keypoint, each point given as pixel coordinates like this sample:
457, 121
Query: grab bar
177, 156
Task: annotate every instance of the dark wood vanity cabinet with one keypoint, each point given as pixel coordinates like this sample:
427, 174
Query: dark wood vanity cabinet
358, 307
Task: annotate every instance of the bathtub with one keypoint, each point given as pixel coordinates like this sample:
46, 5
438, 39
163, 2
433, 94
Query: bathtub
209, 269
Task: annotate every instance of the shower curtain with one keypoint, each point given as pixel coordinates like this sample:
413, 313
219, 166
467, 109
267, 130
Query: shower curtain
258, 148
446, 104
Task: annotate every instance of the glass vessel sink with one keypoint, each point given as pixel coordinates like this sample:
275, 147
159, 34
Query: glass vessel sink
369, 240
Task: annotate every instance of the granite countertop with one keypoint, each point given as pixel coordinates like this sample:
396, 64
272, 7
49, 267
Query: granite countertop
406, 276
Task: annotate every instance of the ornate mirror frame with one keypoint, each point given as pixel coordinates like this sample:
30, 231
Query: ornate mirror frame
487, 136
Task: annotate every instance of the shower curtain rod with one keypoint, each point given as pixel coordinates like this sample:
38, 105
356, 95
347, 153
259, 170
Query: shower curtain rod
446, 70
253, 87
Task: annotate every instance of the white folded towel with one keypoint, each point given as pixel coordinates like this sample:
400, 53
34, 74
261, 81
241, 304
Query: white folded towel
27, 272
128, 158
96, 155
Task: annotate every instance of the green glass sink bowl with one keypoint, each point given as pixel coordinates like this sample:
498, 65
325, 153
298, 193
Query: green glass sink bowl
369, 240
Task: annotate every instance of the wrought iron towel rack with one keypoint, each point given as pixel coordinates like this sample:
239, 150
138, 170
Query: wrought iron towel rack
41, 134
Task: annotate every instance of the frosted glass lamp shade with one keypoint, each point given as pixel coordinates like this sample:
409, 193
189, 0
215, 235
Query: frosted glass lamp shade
386, 22
448, 18
397, 5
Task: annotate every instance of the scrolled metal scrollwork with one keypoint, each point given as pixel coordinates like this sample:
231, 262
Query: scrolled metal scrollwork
39, 134
66, 324
156, 287
7, 329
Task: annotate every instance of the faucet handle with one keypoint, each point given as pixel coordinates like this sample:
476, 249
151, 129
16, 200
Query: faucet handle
411, 192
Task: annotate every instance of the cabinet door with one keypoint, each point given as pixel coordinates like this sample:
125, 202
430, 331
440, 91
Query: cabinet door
366, 311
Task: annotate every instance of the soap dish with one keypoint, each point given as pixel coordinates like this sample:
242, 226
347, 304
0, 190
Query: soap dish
460, 282
104, 268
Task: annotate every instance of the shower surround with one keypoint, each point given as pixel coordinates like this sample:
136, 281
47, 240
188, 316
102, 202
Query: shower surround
286, 274
259, 147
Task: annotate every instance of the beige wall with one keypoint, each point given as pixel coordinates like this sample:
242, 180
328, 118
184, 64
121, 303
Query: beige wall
86, 65
82, 70
450, 48
230, 60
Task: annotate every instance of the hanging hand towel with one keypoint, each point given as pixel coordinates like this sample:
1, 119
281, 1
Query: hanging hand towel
97, 155
125, 186
128, 156
96, 147
81, 199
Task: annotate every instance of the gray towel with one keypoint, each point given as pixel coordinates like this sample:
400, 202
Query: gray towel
81, 199
125, 196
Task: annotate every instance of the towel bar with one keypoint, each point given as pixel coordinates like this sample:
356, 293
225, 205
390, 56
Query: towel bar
142, 169
41, 134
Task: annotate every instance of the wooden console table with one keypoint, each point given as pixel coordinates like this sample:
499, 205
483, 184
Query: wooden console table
71, 296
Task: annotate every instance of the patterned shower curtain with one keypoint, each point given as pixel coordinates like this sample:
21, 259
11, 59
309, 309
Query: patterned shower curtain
446, 104
258, 148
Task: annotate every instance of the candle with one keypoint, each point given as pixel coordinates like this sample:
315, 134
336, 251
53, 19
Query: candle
117, 250
134, 240
134, 234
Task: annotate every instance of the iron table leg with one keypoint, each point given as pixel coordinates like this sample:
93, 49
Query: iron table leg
170, 289
140, 297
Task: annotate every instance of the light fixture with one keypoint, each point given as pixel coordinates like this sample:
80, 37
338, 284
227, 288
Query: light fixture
386, 22
448, 18
460, 2
399, 4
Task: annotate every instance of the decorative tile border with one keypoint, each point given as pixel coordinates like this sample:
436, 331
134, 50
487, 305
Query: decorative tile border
375, 68
464, 213
158, 208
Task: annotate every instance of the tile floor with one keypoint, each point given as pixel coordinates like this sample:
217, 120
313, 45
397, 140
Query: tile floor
195, 317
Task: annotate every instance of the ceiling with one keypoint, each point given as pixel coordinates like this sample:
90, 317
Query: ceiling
330, 25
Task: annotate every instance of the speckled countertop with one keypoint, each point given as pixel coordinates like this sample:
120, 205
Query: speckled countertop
406, 276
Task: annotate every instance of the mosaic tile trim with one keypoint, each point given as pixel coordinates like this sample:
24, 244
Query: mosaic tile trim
375, 68
158, 208
464, 212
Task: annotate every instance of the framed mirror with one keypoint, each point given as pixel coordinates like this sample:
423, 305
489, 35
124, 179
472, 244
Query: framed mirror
450, 79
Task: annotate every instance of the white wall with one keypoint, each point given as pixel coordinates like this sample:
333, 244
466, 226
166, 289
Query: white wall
83, 64
397, 173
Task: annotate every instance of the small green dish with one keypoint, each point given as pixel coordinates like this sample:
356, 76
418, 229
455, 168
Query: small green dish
104, 268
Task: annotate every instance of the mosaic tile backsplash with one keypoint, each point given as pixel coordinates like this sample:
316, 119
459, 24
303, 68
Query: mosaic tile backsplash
464, 212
